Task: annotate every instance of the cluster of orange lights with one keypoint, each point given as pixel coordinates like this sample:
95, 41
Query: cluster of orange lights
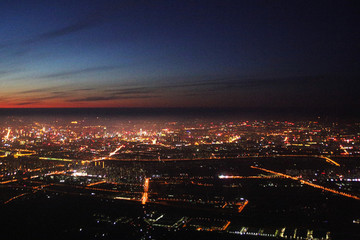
330, 161
96, 183
242, 206
144, 198
13, 198
309, 183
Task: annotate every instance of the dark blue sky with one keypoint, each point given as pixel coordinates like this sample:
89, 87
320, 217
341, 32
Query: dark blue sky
286, 54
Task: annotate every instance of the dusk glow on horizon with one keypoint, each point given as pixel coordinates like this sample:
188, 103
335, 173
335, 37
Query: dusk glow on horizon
243, 54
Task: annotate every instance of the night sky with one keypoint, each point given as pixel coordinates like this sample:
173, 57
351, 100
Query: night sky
186, 53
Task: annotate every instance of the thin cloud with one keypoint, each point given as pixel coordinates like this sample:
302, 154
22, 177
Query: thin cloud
70, 29
38, 90
55, 90
38, 99
101, 98
5, 72
58, 92
80, 71
103, 14
128, 91
26, 103
83, 89
17, 48
246, 83
93, 19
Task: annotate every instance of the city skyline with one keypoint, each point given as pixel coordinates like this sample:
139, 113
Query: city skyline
151, 178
